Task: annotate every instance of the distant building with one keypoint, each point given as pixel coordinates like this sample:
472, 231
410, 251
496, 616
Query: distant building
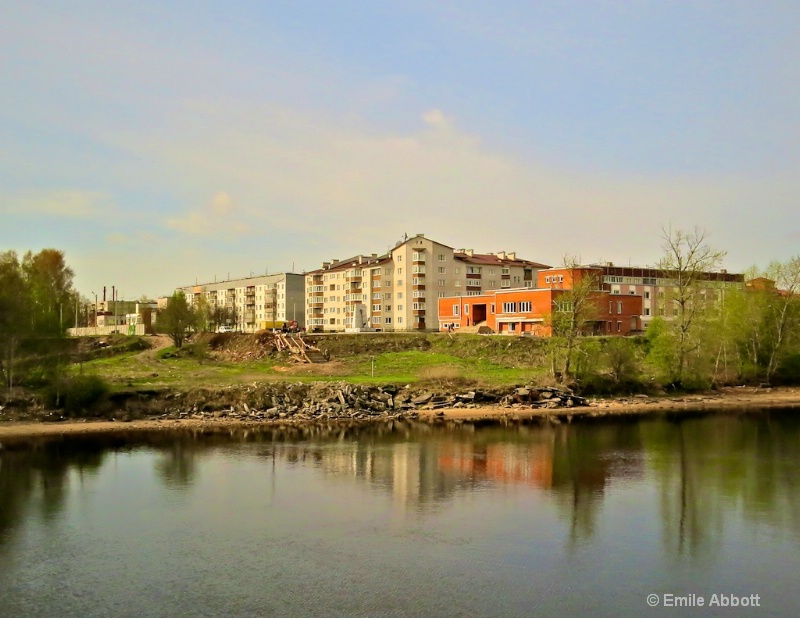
254, 303
399, 291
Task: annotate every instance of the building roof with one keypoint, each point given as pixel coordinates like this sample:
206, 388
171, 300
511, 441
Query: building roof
499, 259
357, 260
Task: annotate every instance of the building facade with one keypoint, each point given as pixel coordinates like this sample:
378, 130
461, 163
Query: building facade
253, 303
523, 311
399, 291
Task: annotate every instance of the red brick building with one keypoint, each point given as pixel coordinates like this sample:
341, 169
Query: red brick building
528, 311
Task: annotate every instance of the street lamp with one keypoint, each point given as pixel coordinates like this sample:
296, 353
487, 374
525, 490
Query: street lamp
95, 312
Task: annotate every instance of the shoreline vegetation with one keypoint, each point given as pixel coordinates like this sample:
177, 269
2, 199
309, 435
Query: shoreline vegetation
727, 400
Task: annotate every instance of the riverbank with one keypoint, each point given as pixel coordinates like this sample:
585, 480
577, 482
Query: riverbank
727, 399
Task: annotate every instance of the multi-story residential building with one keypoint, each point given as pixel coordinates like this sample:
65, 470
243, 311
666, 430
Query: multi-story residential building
627, 299
254, 303
399, 291
528, 311
657, 288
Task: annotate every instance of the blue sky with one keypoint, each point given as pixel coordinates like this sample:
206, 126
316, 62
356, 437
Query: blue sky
162, 143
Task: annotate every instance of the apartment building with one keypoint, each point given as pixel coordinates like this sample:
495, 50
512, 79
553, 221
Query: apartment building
399, 291
254, 303
523, 311
657, 288
627, 299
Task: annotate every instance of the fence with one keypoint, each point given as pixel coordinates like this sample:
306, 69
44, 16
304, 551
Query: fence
122, 329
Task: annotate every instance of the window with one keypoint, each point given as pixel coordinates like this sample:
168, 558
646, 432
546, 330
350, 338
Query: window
388, 308
399, 257
418, 257
418, 269
491, 271
419, 306
457, 270
457, 283
400, 319
505, 283
492, 284
387, 320
417, 281
525, 306
509, 307
387, 271
529, 284
455, 309
387, 296
505, 270
619, 326
441, 257
647, 310
418, 294
376, 319
647, 294
440, 283
547, 279
439, 294
441, 270
387, 284
376, 307
474, 270
376, 296
466, 309
619, 306
399, 307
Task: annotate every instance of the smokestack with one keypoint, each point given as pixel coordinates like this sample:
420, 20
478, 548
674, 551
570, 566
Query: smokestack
113, 293
104, 293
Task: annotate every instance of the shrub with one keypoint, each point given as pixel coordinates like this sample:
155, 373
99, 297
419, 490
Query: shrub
77, 395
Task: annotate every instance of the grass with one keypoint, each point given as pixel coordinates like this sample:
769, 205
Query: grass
164, 369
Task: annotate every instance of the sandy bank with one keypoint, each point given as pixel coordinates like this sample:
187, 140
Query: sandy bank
729, 399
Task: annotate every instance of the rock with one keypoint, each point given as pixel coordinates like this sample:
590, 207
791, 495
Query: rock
422, 399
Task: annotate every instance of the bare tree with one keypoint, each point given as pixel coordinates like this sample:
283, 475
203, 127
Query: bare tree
574, 313
783, 309
688, 258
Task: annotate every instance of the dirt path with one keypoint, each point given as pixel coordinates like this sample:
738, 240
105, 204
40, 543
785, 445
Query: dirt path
157, 342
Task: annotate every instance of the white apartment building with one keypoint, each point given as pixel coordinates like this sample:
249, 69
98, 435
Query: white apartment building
254, 303
399, 291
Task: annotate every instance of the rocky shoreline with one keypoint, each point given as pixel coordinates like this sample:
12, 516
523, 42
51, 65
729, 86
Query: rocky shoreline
348, 405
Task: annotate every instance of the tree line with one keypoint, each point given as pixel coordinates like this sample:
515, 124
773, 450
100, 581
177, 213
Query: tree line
37, 299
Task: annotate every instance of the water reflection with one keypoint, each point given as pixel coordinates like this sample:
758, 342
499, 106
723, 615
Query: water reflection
703, 471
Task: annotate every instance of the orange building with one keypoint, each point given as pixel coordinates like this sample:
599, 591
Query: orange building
525, 311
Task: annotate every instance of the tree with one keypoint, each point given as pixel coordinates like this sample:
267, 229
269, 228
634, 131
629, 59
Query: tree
13, 303
574, 313
51, 297
177, 320
687, 260
783, 310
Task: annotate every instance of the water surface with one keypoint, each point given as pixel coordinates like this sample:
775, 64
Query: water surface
406, 520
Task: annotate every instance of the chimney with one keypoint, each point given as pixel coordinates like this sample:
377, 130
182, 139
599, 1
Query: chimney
501, 255
469, 252
374, 255
360, 259
326, 265
512, 255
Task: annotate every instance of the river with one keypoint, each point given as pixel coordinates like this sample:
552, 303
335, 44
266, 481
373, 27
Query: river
405, 519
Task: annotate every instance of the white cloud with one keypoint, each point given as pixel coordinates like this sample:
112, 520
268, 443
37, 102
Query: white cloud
338, 184
65, 203
218, 217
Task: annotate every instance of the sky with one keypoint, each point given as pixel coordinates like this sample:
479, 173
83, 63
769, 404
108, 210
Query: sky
159, 144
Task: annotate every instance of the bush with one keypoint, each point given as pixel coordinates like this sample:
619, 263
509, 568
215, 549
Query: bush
77, 395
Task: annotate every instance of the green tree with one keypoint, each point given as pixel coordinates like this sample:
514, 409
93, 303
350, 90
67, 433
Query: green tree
51, 296
14, 326
177, 320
